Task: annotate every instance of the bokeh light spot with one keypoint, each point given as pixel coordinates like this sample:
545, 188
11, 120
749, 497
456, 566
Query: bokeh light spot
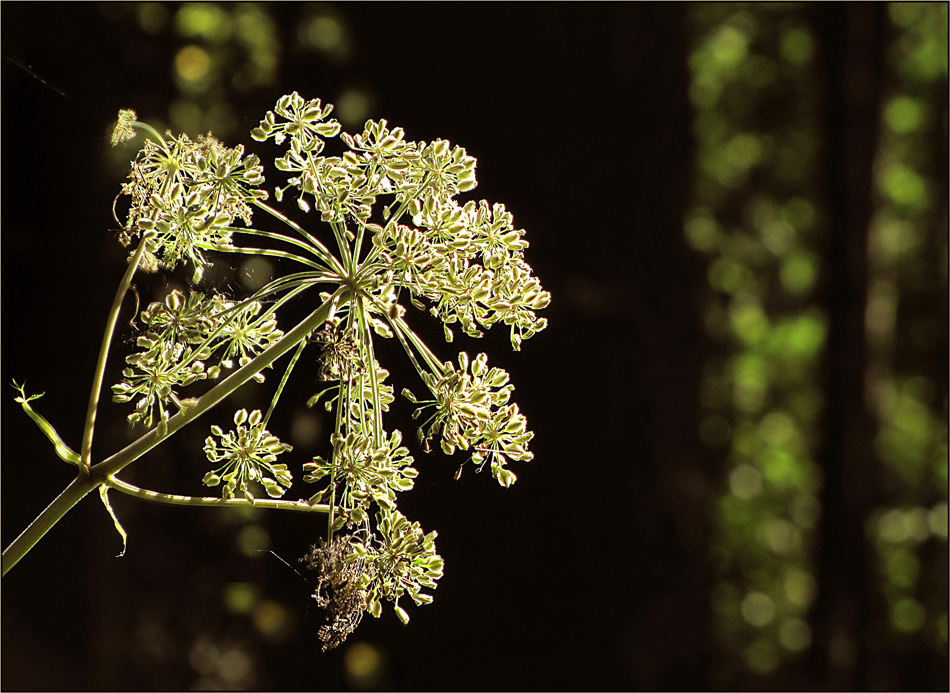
364, 665
798, 273
904, 114
781, 536
702, 232
898, 236
192, 63
234, 665
800, 213
762, 656
796, 46
152, 17
729, 276
750, 374
324, 33
728, 46
904, 186
902, 567
354, 105
800, 588
327, 32
306, 427
937, 517
253, 540
783, 469
270, 618
777, 428
749, 322
239, 597
908, 615
745, 481
256, 272
203, 20
801, 337
758, 609
794, 635
203, 655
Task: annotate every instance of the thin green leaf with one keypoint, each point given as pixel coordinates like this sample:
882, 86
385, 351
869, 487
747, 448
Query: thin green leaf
64, 452
104, 495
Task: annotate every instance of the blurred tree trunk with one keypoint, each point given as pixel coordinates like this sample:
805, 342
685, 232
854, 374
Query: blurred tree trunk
851, 50
658, 365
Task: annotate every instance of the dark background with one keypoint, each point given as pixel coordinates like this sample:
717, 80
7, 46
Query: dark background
592, 572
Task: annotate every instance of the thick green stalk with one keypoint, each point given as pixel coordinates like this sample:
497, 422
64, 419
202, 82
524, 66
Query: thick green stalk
100, 473
64, 502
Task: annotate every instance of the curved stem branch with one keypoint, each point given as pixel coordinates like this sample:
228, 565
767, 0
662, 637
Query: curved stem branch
318, 248
86, 450
283, 381
402, 330
239, 250
206, 502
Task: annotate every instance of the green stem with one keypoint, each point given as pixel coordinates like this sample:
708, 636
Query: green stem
86, 450
206, 502
340, 233
283, 381
99, 474
318, 249
63, 451
270, 234
402, 330
342, 409
64, 502
374, 383
239, 250
150, 130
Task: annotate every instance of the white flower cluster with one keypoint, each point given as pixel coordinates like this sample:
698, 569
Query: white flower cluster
400, 235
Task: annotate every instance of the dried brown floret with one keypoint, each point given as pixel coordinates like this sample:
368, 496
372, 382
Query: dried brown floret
337, 590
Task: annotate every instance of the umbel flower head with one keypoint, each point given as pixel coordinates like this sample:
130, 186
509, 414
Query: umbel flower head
188, 191
379, 238
247, 454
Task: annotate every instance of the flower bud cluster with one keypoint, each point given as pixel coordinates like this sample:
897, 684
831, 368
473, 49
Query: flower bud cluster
183, 333
472, 412
402, 561
246, 455
466, 260
368, 473
188, 193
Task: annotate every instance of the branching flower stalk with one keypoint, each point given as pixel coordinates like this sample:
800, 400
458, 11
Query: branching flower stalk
395, 237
